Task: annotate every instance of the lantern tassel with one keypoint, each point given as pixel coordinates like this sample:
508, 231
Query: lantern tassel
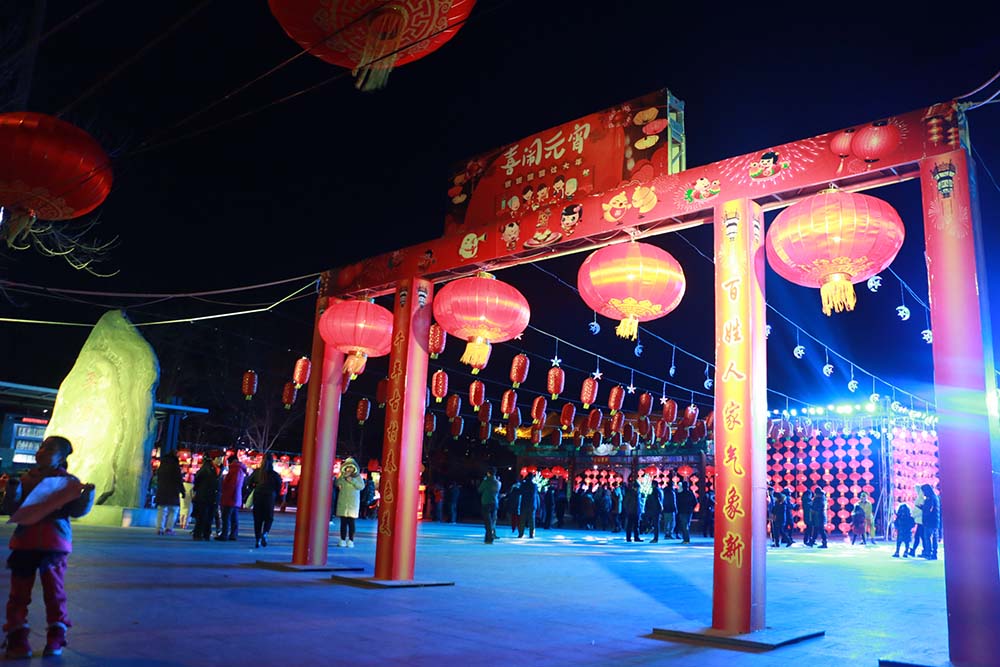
628, 328
354, 364
838, 294
380, 50
477, 354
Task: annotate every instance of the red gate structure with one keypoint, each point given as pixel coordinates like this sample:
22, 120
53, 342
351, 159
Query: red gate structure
497, 221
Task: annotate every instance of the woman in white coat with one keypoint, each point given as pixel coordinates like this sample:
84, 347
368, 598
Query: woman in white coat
349, 486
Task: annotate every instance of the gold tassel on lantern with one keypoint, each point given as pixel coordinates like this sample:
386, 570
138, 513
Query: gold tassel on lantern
477, 354
628, 328
838, 294
381, 49
354, 364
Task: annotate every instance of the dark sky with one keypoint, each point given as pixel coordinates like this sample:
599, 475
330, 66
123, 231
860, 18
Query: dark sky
336, 175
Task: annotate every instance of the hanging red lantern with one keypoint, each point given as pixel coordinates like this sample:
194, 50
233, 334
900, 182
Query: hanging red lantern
536, 435
615, 398
875, 141
555, 438
594, 420
301, 372
615, 441
249, 386
632, 441
710, 420
477, 394
834, 239
588, 392
481, 310
661, 430
555, 382
645, 404
685, 470
617, 421
631, 282
453, 406
369, 37
436, 339
597, 439
374, 465
457, 424
288, 395
669, 412
538, 407
628, 430
840, 145
680, 435
360, 329
513, 422
363, 411
567, 416
643, 427
381, 392
508, 403
485, 412
439, 386
484, 431
519, 370
699, 431
430, 423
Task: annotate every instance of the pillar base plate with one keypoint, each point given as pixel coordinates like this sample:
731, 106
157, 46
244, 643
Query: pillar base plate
904, 662
372, 582
329, 567
767, 639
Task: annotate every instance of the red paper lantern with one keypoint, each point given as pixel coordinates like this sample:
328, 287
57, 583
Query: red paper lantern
631, 282
485, 412
690, 415
627, 431
875, 141
538, 407
457, 424
508, 403
680, 435
617, 421
481, 310
536, 435
484, 431
555, 382
685, 470
645, 404
477, 394
643, 427
567, 416
669, 412
699, 431
834, 239
594, 420
436, 339
370, 37
301, 372
360, 329
588, 392
288, 395
51, 170
519, 370
615, 398
430, 423
249, 386
555, 438
513, 422
363, 411
453, 406
439, 386
382, 392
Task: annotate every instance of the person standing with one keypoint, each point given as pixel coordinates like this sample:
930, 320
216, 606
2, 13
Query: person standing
561, 502
265, 485
206, 495
866, 507
931, 517
819, 516
513, 505
232, 498
706, 504
452, 497
633, 505
169, 489
805, 503
918, 520
489, 499
349, 486
549, 505
669, 515
904, 530
779, 520
528, 505
617, 496
42, 546
686, 502
654, 506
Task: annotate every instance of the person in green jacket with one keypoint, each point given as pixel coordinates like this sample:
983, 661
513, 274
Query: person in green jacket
489, 493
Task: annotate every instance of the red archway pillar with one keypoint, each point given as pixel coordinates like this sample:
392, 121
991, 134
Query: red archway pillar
404, 424
972, 586
319, 447
738, 587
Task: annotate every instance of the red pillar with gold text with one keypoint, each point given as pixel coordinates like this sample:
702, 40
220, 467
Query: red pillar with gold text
404, 424
972, 583
319, 445
738, 592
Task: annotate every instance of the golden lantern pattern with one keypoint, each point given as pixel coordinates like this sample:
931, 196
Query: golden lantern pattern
588, 392
439, 385
615, 398
477, 394
519, 370
436, 339
538, 407
833, 240
567, 416
301, 372
555, 382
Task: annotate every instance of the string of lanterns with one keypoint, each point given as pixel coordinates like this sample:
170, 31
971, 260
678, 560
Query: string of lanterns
290, 391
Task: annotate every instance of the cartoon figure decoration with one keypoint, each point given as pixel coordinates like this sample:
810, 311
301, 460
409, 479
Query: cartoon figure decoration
426, 260
510, 233
570, 218
644, 199
543, 236
702, 190
616, 208
768, 166
470, 245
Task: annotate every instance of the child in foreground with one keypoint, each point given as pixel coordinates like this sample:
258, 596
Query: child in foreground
42, 546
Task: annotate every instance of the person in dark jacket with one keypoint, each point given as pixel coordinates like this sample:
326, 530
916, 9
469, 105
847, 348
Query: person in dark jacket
819, 516
513, 505
805, 503
529, 503
686, 502
169, 489
231, 499
668, 517
265, 485
904, 529
633, 505
206, 495
931, 516
654, 506
549, 504
779, 520
452, 496
706, 505
489, 499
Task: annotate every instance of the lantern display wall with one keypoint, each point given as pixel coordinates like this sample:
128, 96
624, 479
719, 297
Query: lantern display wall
914, 460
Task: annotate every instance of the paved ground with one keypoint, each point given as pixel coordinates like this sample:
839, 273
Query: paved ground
567, 597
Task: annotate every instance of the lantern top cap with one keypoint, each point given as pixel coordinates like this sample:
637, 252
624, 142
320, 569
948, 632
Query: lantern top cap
485, 274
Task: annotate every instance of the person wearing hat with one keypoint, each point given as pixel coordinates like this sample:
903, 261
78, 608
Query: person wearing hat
206, 494
349, 486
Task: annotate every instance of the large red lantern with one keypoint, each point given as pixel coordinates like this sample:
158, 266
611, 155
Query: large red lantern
436, 339
875, 141
555, 382
508, 403
832, 240
481, 310
370, 37
439, 385
631, 282
289, 394
360, 329
567, 416
519, 370
49, 169
301, 372
588, 392
363, 411
249, 384
477, 394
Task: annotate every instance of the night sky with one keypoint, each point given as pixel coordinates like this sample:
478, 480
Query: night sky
335, 175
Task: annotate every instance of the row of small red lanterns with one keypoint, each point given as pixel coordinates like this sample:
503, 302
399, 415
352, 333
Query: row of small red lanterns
300, 376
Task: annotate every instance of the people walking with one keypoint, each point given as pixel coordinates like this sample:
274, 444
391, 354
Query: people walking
232, 499
169, 491
264, 486
654, 507
489, 499
686, 502
819, 516
904, 529
206, 495
918, 520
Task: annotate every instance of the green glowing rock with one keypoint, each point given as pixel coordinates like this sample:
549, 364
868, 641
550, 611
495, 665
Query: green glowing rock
105, 408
